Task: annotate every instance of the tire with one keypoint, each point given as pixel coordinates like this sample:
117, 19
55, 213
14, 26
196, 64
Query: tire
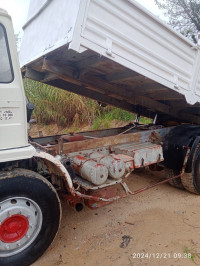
191, 181
30, 214
174, 182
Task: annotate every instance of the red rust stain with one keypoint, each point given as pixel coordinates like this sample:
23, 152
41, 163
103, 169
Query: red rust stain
154, 137
73, 138
98, 165
72, 200
106, 193
81, 157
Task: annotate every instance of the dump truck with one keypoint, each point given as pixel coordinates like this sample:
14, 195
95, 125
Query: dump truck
114, 52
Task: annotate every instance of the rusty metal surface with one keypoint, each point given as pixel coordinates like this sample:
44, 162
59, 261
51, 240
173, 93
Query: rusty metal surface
37, 145
140, 136
88, 186
185, 160
86, 153
57, 168
89, 169
143, 154
95, 133
55, 144
72, 137
155, 138
103, 196
127, 191
105, 193
134, 154
52, 140
74, 201
115, 166
128, 161
95, 198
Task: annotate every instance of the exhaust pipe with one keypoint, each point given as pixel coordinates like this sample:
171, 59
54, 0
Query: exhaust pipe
73, 202
78, 206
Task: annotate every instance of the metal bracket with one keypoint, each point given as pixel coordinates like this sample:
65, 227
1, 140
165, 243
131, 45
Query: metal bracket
176, 82
109, 47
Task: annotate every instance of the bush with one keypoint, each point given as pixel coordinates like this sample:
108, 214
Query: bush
54, 105
66, 109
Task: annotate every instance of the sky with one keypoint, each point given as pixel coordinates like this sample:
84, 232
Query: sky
18, 9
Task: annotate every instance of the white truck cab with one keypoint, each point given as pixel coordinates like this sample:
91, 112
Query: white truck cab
27, 227
13, 117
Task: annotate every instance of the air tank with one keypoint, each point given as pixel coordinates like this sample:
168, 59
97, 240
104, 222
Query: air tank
116, 167
90, 169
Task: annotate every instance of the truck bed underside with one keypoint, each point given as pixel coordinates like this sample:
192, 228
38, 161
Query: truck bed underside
104, 80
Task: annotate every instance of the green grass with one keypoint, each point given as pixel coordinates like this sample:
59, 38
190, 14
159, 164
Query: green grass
105, 119
66, 109
192, 254
53, 105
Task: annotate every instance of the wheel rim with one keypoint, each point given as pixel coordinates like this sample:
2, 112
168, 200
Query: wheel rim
14, 228
20, 224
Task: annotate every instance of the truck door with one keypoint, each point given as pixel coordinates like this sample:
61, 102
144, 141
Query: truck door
13, 119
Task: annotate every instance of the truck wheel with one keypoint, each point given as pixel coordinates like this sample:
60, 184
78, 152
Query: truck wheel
191, 181
174, 182
30, 214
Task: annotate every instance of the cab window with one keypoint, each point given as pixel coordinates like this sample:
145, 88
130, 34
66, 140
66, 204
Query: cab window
6, 72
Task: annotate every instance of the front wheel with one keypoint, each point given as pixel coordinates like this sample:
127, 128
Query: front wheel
30, 215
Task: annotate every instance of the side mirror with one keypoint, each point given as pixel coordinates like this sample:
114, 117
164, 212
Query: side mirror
29, 109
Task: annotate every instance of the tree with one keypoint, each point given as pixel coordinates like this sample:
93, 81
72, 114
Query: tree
184, 15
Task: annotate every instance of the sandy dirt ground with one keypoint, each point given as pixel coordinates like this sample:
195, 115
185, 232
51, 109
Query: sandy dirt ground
153, 228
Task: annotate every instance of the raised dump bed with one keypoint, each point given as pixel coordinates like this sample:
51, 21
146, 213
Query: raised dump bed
116, 52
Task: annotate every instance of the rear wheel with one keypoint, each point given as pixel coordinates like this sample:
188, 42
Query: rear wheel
174, 182
191, 181
30, 215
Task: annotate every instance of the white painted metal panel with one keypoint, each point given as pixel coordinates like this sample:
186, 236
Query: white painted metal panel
17, 154
35, 6
50, 25
198, 87
129, 35
13, 120
143, 153
121, 30
195, 87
